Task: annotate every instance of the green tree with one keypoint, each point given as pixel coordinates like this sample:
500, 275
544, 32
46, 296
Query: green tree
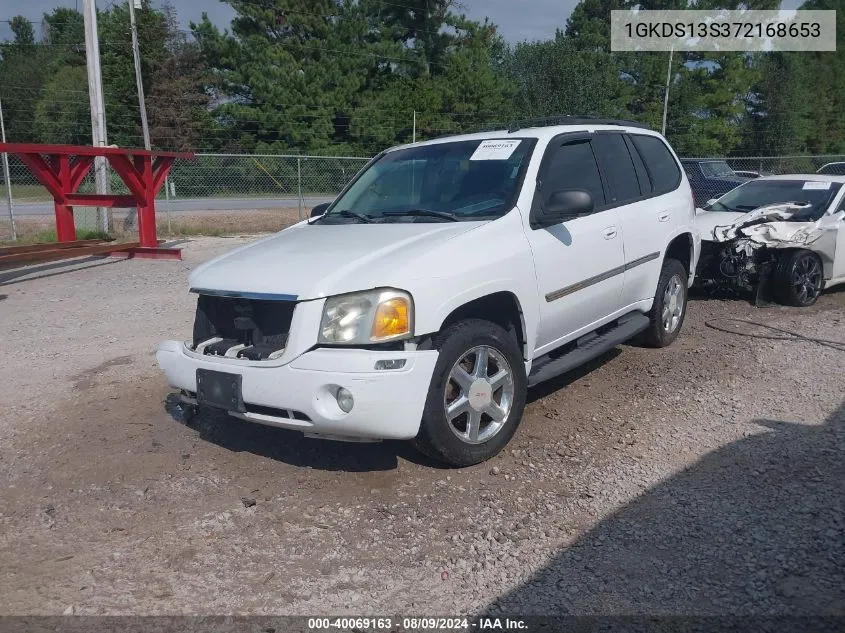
60, 118
22, 30
346, 76
123, 115
177, 102
23, 71
822, 84
555, 77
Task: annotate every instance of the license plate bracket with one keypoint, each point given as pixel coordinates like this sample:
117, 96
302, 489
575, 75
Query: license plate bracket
220, 389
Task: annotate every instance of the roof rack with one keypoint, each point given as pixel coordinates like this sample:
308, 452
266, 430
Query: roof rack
558, 119
568, 119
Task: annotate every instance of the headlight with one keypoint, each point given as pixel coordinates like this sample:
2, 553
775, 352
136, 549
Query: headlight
361, 318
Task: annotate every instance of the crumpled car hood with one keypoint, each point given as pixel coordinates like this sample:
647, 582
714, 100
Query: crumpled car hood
769, 225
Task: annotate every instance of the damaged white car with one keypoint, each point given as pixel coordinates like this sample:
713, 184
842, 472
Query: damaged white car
778, 236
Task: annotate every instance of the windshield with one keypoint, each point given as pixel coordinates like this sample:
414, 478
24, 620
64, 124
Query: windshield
832, 169
458, 181
716, 168
759, 193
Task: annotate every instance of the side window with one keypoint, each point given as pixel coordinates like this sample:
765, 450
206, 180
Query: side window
662, 168
618, 167
639, 165
573, 166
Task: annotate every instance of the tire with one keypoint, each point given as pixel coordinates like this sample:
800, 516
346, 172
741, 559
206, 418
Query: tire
667, 316
798, 278
473, 435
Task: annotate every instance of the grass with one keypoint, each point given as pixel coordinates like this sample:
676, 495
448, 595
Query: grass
40, 229
219, 225
28, 193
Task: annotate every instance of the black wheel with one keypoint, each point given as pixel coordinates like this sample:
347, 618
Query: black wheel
798, 279
477, 394
670, 305
189, 413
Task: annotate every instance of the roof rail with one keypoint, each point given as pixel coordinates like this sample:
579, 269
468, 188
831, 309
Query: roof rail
568, 119
558, 119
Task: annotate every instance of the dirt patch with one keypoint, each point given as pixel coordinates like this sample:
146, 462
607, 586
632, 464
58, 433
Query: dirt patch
702, 478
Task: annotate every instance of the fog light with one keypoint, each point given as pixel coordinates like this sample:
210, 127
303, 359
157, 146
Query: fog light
394, 363
345, 400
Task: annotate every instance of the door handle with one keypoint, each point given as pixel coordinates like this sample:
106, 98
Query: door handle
664, 216
609, 233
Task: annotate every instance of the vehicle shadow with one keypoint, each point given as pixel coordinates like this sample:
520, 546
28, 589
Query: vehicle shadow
754, 528
720, 293
11, 275
292, 447
564, 380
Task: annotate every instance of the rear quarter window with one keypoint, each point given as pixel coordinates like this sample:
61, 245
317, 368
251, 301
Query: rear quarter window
663, 170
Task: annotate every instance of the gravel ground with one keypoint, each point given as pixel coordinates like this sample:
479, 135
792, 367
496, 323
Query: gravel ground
705, 478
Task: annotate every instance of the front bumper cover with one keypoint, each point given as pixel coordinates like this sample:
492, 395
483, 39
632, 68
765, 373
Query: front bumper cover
388, 404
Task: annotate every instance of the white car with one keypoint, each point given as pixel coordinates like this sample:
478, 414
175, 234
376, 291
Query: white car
445, 279
778, 234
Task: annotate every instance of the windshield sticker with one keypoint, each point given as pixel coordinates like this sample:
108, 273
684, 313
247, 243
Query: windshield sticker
816, 185
495, 150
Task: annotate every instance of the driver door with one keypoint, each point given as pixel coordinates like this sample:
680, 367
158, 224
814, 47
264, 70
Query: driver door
580, 263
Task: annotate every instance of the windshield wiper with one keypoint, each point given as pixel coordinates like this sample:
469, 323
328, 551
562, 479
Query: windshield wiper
422, 213
366, 219
726, 207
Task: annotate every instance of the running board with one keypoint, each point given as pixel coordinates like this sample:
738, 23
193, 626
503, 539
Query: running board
589, 347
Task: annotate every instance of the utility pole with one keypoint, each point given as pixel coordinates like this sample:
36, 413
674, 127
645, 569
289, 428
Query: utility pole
414, 134
6, 176
666, 92
139, 81
95, 96
136, 4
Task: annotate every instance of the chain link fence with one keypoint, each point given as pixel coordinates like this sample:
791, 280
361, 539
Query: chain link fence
211, 194
216, 194
713, 177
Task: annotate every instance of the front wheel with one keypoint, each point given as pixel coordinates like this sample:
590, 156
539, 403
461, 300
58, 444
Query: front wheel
799, 278
477, 394
670, 305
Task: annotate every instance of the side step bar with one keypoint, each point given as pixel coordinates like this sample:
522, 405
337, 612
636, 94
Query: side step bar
589, 347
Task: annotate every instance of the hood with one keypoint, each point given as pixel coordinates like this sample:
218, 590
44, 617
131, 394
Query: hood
707, 221
310, 261
770, 225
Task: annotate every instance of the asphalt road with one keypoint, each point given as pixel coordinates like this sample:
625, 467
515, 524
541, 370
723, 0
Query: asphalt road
192, 205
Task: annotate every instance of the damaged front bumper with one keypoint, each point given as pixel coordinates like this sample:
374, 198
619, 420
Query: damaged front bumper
302, 394
742, 254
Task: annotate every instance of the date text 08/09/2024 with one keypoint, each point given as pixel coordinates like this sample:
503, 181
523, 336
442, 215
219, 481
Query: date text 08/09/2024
416, 624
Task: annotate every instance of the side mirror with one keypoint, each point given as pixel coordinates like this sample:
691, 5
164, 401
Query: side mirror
320, 209
710, 202
568, 204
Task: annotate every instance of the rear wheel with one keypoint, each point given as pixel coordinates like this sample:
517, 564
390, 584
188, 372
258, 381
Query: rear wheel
670, 305
477, 394
799, 278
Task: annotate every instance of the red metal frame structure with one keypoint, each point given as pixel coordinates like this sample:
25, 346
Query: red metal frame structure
62, 168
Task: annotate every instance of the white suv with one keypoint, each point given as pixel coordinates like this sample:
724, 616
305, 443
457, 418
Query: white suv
447, 278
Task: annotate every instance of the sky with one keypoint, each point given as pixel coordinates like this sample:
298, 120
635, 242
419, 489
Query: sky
517, 20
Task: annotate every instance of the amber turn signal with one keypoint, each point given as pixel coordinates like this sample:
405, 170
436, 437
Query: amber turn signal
392, 319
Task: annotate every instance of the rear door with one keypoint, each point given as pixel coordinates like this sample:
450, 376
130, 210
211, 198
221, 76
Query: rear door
579, 262
643, 227
649, 221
